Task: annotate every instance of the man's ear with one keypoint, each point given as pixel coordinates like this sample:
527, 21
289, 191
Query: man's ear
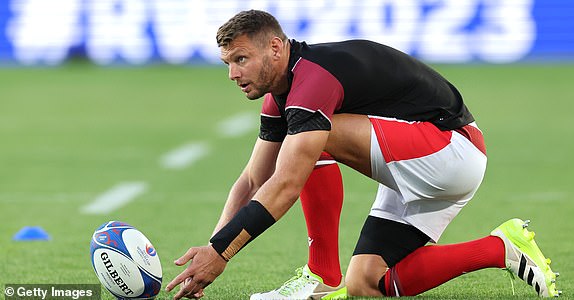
277, 47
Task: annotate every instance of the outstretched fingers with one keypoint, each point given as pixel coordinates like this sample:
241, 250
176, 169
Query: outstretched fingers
191, 289
187, 273
191, 252
205, 266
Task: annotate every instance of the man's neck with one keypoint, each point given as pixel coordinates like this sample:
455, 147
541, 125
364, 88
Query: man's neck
283, 81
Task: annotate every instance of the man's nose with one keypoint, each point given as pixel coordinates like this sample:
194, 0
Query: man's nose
234, 73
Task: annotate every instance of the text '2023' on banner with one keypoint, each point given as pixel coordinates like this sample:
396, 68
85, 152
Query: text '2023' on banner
183, 31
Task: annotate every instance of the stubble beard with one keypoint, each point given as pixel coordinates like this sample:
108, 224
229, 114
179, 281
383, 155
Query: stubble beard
265, 80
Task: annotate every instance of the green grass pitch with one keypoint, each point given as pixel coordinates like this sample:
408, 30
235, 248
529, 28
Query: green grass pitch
69, 134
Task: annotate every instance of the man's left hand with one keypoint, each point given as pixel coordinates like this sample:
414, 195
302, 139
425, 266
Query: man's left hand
206, 264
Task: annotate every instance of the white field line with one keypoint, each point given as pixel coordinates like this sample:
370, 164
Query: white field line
185, 155
178, 158
115, 198
238, 124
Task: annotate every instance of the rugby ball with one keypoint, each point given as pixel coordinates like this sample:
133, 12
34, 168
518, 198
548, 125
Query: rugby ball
125, 261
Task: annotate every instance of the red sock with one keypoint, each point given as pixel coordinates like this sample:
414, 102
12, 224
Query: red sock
322, 201
431, 266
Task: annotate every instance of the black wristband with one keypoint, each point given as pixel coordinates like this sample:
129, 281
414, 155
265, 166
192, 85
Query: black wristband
249, 222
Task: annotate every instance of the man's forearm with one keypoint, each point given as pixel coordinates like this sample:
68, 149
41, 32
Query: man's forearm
239, 195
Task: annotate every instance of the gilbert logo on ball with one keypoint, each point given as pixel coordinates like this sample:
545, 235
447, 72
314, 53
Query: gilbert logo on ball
125, 261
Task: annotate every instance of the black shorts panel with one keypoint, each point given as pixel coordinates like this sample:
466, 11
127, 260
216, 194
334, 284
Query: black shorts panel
389, 239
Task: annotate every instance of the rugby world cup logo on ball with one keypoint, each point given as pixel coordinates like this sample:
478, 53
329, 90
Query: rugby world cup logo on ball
125, 261
150, 250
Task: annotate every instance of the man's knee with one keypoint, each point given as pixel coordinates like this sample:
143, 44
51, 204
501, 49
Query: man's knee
364, 274
361, 287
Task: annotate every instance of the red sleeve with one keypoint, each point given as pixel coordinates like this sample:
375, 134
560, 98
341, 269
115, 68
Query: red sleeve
270, 108
314, 89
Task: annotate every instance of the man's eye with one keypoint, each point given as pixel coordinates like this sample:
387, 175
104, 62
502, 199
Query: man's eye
241, 59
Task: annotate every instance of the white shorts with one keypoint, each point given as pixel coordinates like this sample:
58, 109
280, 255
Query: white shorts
426, 175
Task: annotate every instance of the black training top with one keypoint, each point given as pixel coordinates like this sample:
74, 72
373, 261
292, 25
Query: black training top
359, 77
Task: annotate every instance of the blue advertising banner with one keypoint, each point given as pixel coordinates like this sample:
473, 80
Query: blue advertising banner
40, 32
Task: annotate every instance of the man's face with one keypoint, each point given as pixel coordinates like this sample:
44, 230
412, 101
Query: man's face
249, 66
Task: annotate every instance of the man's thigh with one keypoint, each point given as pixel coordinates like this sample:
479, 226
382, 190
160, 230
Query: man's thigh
350, 141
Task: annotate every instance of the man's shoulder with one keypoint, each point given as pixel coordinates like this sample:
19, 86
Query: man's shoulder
337, 44
347, 53
336, 47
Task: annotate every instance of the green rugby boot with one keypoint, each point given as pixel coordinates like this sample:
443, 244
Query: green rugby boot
524, 259
304, 286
